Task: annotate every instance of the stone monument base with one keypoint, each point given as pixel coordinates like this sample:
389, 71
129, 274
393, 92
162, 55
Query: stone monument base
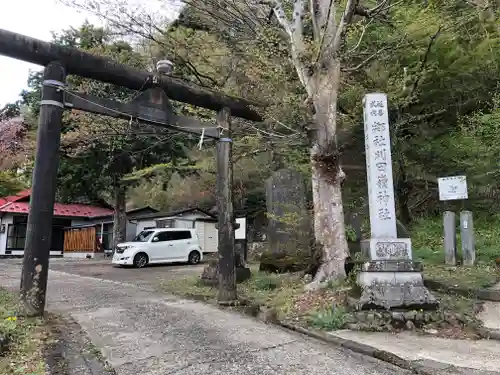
210, 275
392, 285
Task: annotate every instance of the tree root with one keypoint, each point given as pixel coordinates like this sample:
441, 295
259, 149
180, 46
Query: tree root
328, 271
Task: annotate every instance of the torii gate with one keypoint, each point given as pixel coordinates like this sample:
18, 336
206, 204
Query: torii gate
152, 107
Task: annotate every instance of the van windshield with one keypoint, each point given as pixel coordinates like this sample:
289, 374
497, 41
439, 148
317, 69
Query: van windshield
144, 236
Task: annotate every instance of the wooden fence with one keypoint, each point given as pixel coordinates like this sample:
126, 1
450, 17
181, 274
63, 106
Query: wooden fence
80, 240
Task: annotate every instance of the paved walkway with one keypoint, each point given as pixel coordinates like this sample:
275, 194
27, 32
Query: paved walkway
481, 355
142, 332
491, 314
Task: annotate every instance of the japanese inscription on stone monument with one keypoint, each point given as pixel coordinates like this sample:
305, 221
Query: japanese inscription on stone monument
379, 167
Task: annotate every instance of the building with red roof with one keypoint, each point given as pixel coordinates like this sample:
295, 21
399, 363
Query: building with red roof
14, 217
77, 229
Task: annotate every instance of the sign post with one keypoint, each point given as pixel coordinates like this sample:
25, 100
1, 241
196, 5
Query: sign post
240, 239
455, 188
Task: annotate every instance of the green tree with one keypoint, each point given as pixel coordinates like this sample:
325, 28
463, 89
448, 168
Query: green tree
96, 152
312, 62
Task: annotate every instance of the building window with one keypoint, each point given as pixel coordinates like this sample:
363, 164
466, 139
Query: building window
165, 223
20, 219
16, 236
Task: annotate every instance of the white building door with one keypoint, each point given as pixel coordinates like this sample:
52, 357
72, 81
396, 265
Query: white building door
200, 231
211, 238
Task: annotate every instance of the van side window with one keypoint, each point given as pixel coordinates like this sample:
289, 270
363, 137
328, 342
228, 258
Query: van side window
163, 236
180, 235
173, 235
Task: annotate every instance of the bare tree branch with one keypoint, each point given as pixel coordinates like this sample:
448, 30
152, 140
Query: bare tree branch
373, 55
341, 31
315, 14
294, 31
356, 46
423, 62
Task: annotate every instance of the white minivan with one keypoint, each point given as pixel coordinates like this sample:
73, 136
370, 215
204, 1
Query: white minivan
165, 245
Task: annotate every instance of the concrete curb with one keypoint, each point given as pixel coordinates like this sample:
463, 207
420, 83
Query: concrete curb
421, 367
73, 353
490, 334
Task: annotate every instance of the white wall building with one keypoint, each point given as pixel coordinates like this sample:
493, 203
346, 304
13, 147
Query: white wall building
196, 218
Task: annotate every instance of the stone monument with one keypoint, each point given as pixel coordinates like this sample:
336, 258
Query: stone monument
390, 280
288, 219
289, 225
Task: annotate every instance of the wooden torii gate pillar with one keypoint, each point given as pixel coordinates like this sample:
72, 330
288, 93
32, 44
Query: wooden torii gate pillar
151, 107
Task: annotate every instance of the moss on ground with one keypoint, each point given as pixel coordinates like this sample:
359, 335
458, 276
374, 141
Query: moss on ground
472, 278
24, 354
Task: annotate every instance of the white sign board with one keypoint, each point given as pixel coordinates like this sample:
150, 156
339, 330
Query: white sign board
452, 188
241, 232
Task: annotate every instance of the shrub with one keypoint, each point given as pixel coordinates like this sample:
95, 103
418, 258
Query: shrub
263, 281
331, 319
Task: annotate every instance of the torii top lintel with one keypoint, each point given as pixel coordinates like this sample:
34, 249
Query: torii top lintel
86, 65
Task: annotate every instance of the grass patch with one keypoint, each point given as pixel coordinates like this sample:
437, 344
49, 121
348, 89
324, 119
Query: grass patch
190, 287
330, 319
277, 291
282, 293
27, 337
477, 277
457, 317
427, 239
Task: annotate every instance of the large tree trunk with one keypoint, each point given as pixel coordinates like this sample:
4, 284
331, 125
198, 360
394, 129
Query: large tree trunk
327, 177
120, 216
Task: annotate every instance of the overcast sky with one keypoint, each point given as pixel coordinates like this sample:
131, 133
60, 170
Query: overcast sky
37, 18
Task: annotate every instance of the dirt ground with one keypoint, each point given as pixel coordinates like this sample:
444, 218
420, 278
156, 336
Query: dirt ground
150, 276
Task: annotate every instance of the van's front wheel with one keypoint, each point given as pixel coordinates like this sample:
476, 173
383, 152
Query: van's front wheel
194, 257
140, 260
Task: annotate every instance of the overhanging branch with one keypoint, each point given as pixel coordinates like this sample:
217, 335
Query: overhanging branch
294, 30
105, 70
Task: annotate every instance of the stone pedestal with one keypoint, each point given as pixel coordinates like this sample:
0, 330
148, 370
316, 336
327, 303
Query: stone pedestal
392, 280
405, 291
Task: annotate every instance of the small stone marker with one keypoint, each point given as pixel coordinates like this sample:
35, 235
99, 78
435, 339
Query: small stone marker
468, 241
288, 228
391, 280
450, 238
